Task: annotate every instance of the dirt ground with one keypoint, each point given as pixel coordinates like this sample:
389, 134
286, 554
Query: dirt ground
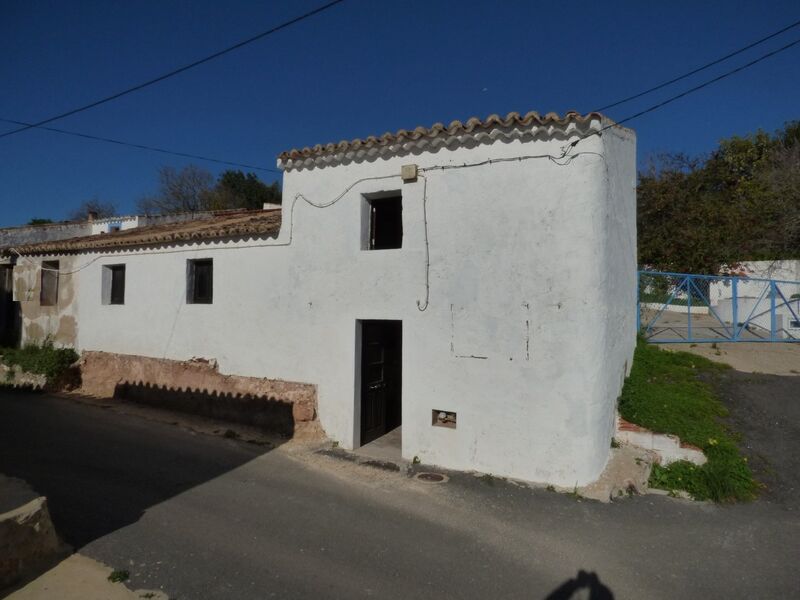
749, 357
765, 411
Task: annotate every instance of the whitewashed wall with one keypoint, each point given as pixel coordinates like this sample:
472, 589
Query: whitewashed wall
532, 267
782, 270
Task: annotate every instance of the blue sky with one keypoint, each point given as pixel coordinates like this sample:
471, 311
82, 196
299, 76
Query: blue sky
361, 68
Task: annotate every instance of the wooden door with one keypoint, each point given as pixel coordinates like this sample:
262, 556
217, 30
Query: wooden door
381, 378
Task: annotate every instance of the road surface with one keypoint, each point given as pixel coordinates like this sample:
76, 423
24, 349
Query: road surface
205, 517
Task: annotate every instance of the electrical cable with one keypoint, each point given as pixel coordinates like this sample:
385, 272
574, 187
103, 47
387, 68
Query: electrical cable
144, 147
684, 93
177, 71
422, 305
699, 69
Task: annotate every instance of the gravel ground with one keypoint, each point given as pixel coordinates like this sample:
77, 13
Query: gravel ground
765, 410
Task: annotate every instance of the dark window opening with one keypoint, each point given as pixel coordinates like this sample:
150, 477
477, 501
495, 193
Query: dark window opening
117, 295
386, 223
200, 281
48, 295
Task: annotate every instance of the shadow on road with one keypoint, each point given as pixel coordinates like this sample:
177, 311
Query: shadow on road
101, 470
586, 586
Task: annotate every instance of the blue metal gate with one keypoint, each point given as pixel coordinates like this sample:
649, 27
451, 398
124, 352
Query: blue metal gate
684, 308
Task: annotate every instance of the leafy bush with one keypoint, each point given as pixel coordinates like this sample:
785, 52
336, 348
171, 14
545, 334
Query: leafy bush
44, 359
674, 392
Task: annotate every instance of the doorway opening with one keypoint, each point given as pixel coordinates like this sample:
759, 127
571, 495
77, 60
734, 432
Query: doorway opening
381, 385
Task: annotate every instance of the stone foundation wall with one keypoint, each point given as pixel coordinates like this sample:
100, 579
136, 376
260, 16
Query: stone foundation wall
196, 386
27, 539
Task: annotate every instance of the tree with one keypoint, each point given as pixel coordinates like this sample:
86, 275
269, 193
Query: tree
36, 221
184, 190
101, 210
235, 189
193, 189
742, 202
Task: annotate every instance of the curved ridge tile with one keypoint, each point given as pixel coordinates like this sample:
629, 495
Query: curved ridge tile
456, 130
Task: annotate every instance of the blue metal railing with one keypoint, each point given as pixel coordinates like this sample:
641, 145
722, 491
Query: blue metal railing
688, 308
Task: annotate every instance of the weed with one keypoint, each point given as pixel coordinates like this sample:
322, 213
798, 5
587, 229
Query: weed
147, 595
666, 394
488, 479
551, 488
575, 494
118, 576
416, 460
230, 434
44, 359
614, 443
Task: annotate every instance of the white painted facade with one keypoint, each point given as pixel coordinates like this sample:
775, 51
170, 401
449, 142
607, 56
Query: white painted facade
523, 324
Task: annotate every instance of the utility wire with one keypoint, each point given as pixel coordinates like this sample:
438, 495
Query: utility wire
174, 72
699, 69
141, 146
687, 92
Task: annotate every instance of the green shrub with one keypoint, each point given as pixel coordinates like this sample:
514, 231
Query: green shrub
44, 359
675, 392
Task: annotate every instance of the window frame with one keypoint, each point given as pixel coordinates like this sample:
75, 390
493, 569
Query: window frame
108, 288
193, 282
49, 269
370, 216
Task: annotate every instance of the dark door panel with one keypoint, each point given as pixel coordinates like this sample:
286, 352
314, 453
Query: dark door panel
381, 378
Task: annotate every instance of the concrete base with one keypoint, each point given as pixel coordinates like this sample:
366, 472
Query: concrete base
668, 448
81, 578
27, 536
387, 447
627, 472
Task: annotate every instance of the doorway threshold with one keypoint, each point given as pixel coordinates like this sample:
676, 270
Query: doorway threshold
388, 447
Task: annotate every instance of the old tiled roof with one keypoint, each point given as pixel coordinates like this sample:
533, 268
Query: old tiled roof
473, 125
228, 224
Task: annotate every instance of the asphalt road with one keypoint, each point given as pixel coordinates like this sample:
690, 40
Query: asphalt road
205, 517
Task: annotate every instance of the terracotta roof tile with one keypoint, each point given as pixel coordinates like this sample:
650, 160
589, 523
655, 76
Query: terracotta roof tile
455, 128
229, 224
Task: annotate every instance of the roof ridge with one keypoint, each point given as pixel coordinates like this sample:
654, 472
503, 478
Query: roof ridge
241, 223
471, 125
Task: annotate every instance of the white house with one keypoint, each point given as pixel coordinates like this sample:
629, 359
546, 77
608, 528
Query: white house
760, 285
475, 282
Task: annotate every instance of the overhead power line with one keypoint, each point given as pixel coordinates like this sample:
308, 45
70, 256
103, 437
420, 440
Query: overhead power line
177, 71
699, 69
689, 91
141, 146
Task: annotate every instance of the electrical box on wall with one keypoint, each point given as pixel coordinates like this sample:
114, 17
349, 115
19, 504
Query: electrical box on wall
443, 418
408, 173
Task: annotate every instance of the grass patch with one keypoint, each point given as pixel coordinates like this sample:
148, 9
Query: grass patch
119, 575
674, 392
44, 359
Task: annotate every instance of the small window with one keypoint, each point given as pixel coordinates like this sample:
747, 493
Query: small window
385, 223
794, 324
199, 281
114, 284
49, 292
